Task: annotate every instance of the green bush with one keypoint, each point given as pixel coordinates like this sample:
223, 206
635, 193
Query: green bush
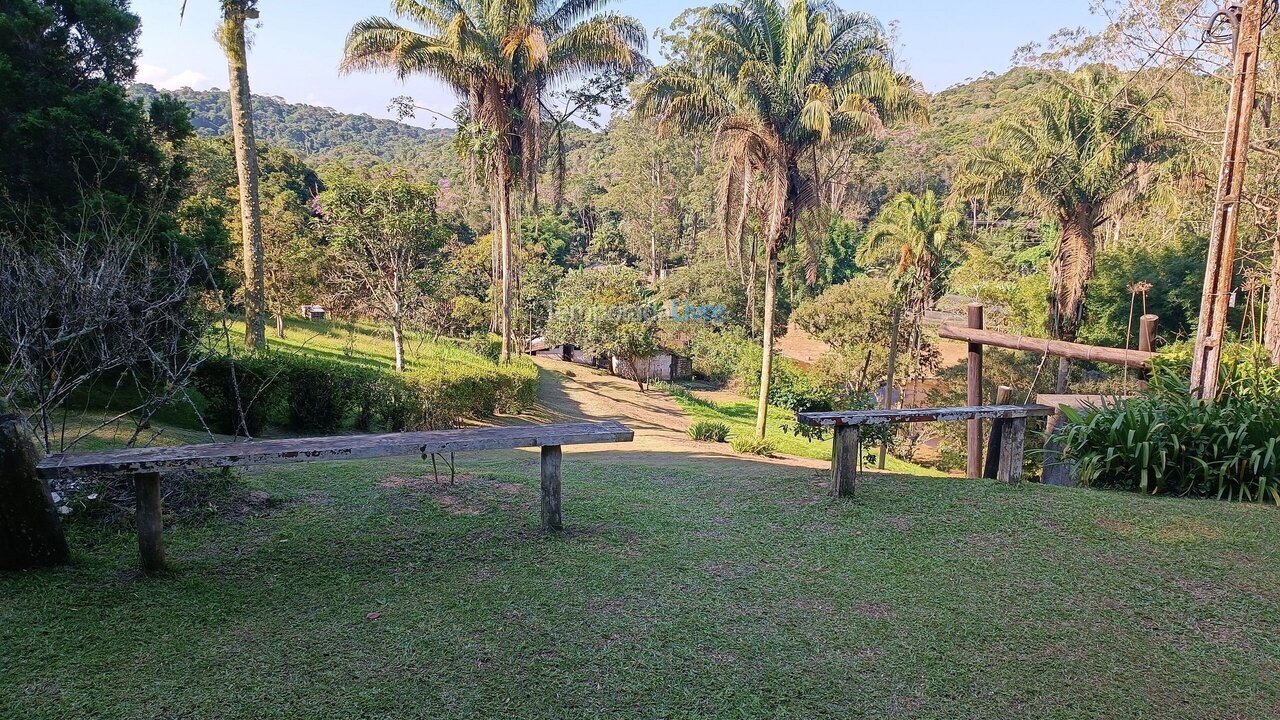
242, 394
791, 387
709, 431
1170, 443
322, 395
312, 394
752, 446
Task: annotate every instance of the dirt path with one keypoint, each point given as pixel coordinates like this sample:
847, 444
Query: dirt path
574, 393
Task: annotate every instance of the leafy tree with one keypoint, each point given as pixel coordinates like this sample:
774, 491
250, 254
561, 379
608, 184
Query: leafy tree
385, 235
852, 318
777, 82
232, 37
1091, 149
102, 266
501, 56
607, 311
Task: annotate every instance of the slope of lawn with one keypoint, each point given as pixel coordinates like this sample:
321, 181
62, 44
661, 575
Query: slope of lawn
681, 589
741, 419
361, 343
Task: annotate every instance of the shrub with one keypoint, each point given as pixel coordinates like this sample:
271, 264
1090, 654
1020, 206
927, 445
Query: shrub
709, 431
1168, 442
752, 446
322, 394
791, 387
314, 394
242, 394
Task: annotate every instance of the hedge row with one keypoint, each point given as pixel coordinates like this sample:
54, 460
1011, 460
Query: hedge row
307, 393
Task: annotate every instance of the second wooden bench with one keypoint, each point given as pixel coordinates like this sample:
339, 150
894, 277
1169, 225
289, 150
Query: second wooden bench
847, 425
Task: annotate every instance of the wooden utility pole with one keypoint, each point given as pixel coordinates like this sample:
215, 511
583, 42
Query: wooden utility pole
1245, 18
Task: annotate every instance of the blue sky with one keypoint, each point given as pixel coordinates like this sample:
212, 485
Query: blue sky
298, 45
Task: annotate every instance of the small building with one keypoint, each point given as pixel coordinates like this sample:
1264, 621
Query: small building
663, 365
312, 312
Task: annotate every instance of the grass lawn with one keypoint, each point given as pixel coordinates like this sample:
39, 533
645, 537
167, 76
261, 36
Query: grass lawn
683, 588
362, 343
741, 419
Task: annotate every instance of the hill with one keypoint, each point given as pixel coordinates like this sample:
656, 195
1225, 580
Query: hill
320, 132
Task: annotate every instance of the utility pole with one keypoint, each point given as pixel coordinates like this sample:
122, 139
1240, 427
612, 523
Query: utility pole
1245, 20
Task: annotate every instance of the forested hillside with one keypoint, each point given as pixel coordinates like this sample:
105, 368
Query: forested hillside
317, 131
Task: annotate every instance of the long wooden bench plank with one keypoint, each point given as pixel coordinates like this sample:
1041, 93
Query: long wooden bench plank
855, 418
343, 447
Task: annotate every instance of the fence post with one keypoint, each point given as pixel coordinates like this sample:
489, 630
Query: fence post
992, 465
973, 466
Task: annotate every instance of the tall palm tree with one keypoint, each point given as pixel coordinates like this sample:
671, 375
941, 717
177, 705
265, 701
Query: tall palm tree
1091, 148
917, 232
777, 83
499, 56
231, 36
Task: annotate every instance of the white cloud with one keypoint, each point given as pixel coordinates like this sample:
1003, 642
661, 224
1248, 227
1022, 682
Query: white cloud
151, 74
165, 80
186, 78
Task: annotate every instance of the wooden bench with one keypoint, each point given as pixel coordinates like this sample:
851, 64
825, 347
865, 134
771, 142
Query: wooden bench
146, 464
847, 424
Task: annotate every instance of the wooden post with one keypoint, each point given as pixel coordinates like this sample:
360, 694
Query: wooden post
973, 467
844, 461
551, 519
146, 488
992, 465
1012, 449
1219, 271
1147, 325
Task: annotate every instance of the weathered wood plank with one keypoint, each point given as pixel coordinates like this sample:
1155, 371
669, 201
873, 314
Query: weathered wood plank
146, 489
908, 415
551, 456
844, 461
1013, 444
343, 447
1057, 348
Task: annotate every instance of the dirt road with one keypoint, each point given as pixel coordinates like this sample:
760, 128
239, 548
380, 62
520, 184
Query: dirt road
574, 393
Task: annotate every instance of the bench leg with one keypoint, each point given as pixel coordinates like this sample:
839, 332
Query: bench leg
1013, 443
844, 462
551, 488
146, 486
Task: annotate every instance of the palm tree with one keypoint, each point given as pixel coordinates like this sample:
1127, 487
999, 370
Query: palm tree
231, 36
1091, 148
918, 233
499, 56
777, 83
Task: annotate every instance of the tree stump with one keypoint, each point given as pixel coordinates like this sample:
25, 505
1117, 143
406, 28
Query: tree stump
30, 531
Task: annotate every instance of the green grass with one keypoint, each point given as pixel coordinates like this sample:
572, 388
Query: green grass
369, 344
683, 588
741, 419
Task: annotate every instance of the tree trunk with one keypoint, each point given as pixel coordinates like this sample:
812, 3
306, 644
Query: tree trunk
766, 346
246, 152
655, 198
495, 265
561, 169
1070, 269
30, 532
280, 324
504, 227
1271, 330
397, 337
753, 272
